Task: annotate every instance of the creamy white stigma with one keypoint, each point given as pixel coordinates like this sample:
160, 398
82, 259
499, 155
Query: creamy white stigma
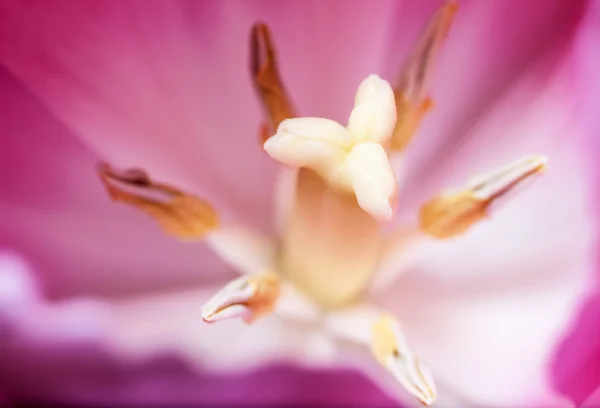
351, 159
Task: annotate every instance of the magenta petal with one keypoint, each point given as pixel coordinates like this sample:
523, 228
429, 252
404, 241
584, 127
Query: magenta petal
166, 85
17, 286
85, 374
593, 401
57, 353
481, 60
55, 211
576, 367
146, 85
525, 270
586, 79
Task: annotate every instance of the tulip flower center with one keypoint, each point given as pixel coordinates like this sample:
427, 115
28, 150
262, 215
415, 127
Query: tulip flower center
342, 191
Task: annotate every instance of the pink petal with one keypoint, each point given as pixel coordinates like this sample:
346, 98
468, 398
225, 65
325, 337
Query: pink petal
592, 401
481, 59
78, 49
144, 326
83, 374
533, 227
576, 371
79, 370
501, 295
17, 288
167, 86
58, 353
576, 367
178, 78
55, 211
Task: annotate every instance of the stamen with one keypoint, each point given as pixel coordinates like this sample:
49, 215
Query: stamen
265, 74
449, 214
412, 103
409, 115
248, 298
391, 350
179, 214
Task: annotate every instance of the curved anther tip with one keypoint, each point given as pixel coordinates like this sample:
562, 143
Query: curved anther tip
496, 183
229, 302
259, 28
392, 351
247, 298
103, 167
414, 376
261, 47
451, 6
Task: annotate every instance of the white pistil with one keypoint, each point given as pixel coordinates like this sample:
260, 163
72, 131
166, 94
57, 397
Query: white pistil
352, 159
330, 246
372, 178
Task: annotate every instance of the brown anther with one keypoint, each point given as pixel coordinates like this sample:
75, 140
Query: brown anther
449, 215
264, 132
412, 103
384, 339
267, 293
409, 117
266, 78
179, 214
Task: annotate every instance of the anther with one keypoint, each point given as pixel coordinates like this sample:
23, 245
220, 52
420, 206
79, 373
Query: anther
267, 81
247, 297
412, 102
452, 214
391, 350
180, 214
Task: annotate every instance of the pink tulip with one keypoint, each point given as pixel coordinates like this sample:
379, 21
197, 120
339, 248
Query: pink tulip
462, 300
